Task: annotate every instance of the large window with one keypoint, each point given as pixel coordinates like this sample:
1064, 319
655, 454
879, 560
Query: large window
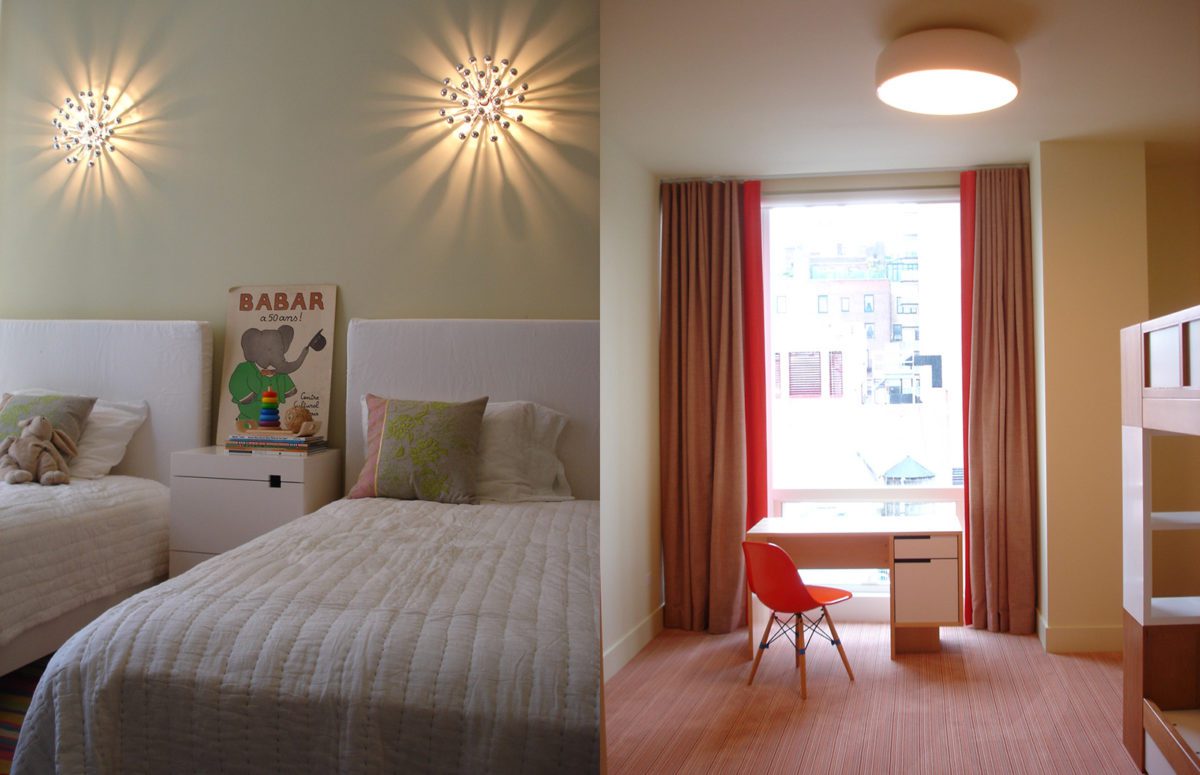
887, 412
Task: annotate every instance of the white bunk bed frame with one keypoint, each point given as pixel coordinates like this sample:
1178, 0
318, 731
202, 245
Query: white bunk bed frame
168, 364
1160, 393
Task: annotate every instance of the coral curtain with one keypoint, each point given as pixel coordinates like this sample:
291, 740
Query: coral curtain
755, 343
702, 428
1001, 448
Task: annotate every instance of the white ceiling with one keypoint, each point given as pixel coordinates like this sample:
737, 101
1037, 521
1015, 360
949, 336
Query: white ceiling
786, 87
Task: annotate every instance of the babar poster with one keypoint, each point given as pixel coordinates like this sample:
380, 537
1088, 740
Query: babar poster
278, 337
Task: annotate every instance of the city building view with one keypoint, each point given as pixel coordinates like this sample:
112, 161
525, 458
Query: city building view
865, 345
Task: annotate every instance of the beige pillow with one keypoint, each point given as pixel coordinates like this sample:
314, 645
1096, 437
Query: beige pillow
518, 459
66, 413
420, 450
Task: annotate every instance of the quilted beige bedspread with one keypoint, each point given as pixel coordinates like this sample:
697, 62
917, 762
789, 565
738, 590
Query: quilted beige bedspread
373, 636
64, 546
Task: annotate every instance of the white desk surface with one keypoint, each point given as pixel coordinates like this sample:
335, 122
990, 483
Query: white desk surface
900, 524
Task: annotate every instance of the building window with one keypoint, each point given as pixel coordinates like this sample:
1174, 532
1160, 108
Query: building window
878, 380
804, 374
781, 305
835, 374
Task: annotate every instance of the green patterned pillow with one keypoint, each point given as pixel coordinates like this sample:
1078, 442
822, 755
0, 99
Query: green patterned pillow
420, 450
67, 413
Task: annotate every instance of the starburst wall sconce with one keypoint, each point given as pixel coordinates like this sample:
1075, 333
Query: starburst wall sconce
86, 126
485, 98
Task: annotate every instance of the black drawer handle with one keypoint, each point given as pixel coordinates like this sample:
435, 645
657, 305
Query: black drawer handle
913, 538
899, 560
276, 480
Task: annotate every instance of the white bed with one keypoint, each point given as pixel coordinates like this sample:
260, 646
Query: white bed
70, 552
373, 635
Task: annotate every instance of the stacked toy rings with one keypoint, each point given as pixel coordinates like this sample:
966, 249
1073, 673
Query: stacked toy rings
268, 416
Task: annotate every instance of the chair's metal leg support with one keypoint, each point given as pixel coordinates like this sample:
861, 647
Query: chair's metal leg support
762, 646
802, 628
837, 642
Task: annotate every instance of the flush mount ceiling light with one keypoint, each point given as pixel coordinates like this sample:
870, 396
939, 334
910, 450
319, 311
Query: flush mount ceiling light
86, 128
947, 72
484, 94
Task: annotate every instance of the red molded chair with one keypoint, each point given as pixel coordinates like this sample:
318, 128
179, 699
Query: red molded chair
774, 578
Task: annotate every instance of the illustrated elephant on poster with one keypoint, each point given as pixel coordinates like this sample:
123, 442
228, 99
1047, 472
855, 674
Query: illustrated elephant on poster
266, 365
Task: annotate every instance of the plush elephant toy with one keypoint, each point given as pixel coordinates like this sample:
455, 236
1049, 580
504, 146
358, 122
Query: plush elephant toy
267, 366
39, 454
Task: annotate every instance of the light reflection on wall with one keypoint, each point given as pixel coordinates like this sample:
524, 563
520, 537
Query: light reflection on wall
543, 170
301, 140
126, 61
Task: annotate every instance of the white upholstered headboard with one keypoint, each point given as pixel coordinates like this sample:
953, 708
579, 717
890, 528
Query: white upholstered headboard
553, 362
166, 363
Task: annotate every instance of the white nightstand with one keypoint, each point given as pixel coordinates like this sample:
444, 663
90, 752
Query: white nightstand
219, 501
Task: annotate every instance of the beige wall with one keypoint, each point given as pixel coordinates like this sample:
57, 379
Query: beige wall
630, 543
1039, 388
1173, 235
284, 141
1094, 281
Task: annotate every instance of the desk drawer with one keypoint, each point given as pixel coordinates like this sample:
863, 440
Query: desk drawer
926, 547
925, 592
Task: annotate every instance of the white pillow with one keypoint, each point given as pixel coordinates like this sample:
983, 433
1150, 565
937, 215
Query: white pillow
108, 430
518, 460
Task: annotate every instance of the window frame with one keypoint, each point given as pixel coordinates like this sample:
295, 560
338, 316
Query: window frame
777, 497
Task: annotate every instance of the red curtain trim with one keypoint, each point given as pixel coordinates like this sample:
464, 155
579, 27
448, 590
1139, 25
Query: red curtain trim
754, 353
967, 236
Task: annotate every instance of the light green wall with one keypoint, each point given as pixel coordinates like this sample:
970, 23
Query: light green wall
297, 141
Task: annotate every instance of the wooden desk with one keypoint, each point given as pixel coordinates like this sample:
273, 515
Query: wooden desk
927, 550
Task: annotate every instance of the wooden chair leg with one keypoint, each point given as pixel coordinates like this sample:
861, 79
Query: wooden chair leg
803, 675
762, 646
838, 641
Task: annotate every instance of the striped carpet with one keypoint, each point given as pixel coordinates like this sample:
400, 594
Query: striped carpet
16, 690
987, 704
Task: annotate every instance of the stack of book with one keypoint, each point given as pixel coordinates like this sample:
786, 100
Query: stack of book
267, 442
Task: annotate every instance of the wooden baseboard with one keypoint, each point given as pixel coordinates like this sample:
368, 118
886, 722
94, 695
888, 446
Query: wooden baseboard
1082, 640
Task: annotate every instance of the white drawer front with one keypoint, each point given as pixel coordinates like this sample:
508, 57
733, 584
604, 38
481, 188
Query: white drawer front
926, 547
215, 515
926, 592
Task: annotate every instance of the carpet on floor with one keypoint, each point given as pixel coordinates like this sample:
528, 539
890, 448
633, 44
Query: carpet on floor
16, 690
988, 703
